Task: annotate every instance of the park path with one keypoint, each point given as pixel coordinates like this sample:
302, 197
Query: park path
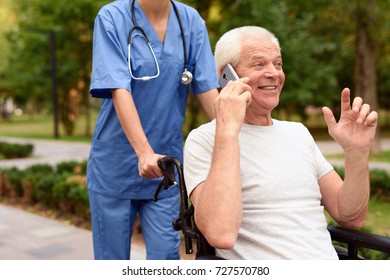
27, 236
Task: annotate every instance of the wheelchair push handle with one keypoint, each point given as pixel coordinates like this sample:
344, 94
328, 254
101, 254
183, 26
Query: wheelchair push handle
183, 222
167, 168
166, 165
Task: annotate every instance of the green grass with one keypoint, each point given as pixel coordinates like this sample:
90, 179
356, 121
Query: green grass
383, 156
377, 220
42, 127
378, 216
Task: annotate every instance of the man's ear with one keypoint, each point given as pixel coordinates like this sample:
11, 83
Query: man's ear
221, 70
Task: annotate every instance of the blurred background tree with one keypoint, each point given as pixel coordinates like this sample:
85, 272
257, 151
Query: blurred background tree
26, 74
326, 45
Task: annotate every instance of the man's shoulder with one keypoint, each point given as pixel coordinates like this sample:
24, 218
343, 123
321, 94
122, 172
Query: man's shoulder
204, 130
293, 130
290, 124
207, 126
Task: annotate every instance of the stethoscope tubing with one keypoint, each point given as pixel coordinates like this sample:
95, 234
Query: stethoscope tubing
186, 76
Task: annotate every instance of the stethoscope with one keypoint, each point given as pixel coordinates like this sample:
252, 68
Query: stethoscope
186, 76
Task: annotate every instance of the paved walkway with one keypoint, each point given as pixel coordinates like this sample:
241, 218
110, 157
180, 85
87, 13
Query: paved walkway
46, 151
26, 236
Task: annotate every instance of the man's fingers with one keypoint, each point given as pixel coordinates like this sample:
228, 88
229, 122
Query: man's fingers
345, 100
329, 117
363, 113
357, 104
372, 119
247, 95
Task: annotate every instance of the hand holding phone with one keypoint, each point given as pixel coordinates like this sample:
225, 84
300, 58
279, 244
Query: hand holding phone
228, 74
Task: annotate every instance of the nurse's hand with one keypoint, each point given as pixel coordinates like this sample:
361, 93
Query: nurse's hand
148, 167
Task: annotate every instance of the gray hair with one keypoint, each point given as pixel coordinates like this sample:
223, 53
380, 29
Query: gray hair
228, 47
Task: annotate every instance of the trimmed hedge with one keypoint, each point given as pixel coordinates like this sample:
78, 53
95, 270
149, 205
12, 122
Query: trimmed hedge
60, 188
63, 187
10, 151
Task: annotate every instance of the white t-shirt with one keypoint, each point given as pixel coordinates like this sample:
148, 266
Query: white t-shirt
282, 213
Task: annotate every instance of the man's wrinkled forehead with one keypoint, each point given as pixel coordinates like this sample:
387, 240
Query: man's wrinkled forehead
259, 48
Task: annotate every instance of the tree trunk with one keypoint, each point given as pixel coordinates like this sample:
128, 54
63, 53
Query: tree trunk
365, 77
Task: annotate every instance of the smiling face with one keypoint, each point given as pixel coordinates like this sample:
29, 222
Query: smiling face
261, 61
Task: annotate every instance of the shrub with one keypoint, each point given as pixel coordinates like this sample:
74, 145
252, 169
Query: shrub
83, 166
62, 187
32, 177
79, 195
61, 195
43, 190
40, 168
67, 166
9, 151
11, 183
380, 183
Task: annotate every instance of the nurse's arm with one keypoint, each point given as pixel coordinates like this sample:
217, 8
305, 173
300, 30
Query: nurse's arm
129, 119
206, 99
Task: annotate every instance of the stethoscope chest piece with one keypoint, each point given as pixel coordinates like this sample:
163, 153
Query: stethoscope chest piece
186, 77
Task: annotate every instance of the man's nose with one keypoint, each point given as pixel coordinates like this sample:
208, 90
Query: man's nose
271, 70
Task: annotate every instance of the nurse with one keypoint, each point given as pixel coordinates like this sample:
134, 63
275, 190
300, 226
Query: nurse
146, 56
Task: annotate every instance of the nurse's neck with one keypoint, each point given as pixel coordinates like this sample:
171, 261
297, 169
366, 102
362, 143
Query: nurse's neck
157, 12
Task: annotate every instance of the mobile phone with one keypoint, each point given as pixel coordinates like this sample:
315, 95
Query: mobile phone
228, 74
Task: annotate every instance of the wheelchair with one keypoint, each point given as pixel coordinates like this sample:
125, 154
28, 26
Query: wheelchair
172, 168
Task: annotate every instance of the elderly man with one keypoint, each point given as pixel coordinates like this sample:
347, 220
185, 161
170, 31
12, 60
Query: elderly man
260, 185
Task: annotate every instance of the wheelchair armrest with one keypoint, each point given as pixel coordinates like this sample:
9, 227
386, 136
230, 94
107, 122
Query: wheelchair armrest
357, 239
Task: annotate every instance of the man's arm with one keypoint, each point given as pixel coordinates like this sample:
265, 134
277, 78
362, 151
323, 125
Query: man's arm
131, 125
217, 200
347, 201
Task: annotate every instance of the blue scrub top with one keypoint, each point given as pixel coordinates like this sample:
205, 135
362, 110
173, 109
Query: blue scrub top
161, 102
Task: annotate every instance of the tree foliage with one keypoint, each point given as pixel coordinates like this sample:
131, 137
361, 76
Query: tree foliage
317, 39
29, 68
